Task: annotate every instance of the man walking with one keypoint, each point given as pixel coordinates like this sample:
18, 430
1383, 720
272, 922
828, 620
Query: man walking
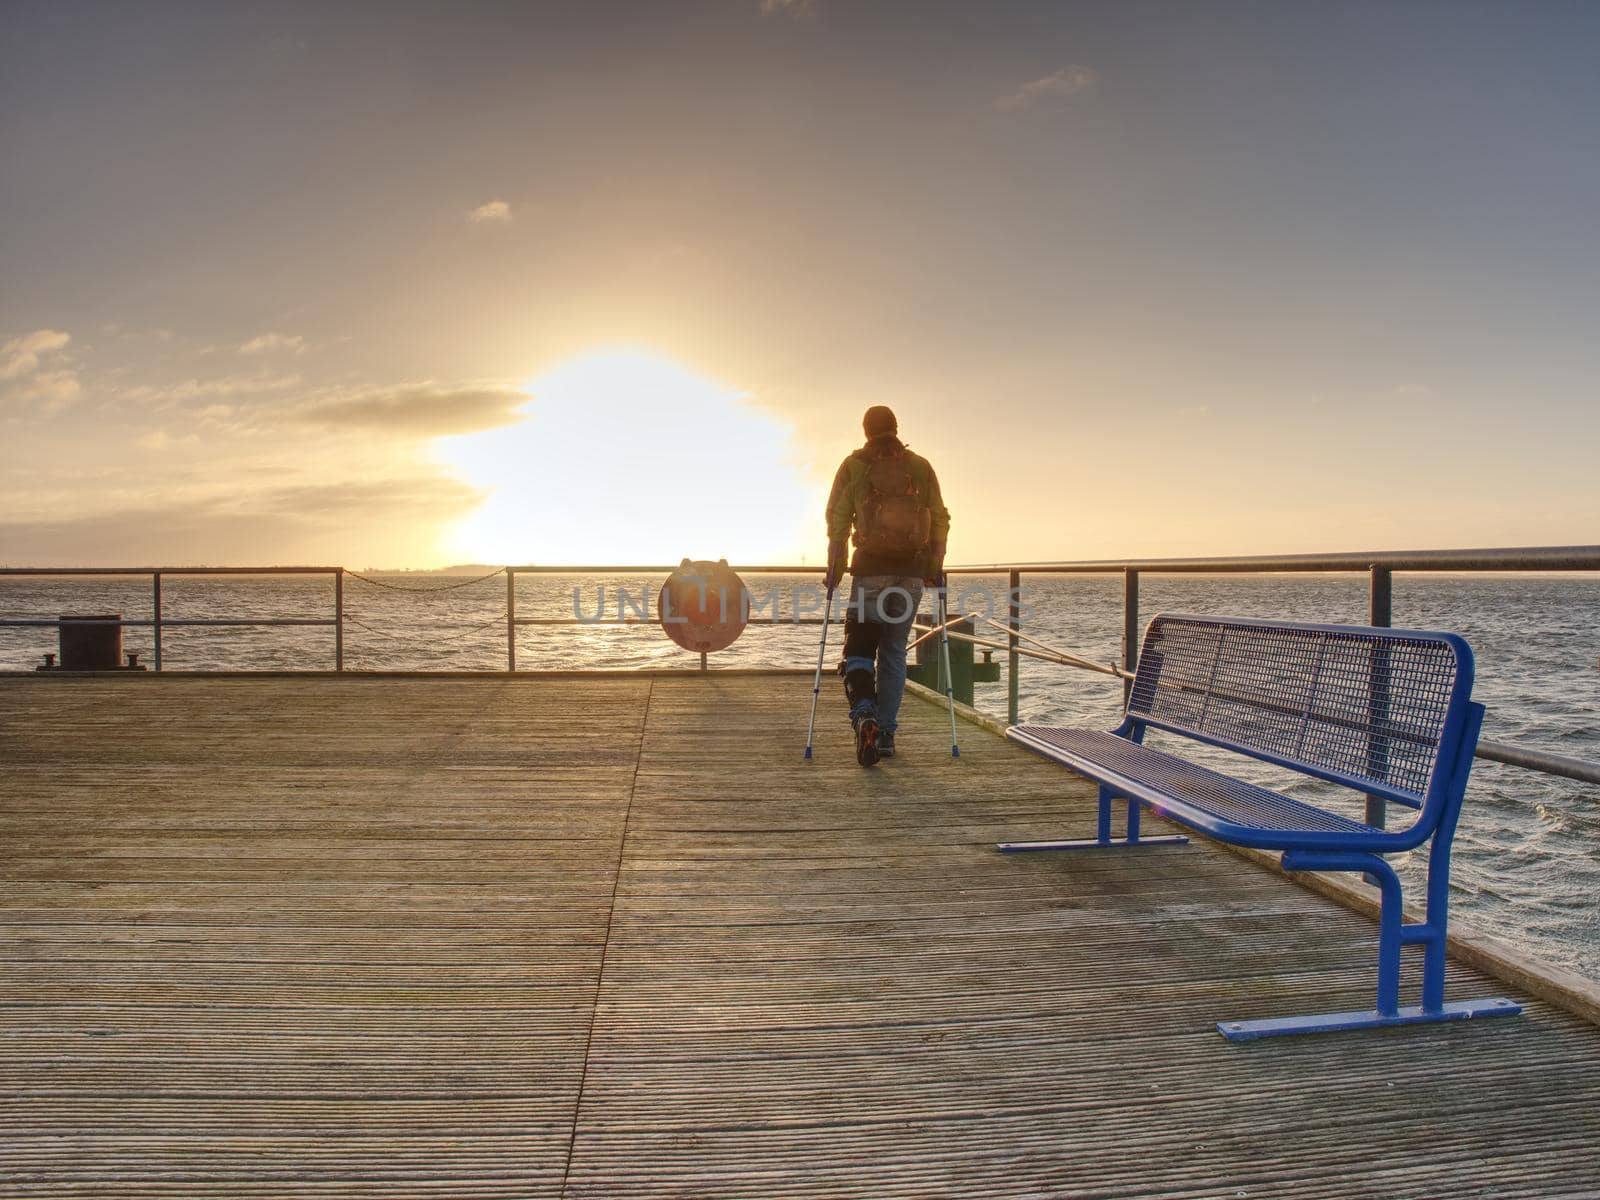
890, 498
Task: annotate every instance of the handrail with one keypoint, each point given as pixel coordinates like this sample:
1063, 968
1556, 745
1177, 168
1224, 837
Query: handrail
1540, 760
157, 622
169, 570
1524, 558
558, 569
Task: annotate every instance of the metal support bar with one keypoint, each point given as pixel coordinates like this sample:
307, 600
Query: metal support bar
1563, 765
611, 621
338, 619
511, 619
1094, 844
155, 614
1013, 683
1103, 838
1380, 597
171, 622
1130, 629
1380, 610
1371, 1018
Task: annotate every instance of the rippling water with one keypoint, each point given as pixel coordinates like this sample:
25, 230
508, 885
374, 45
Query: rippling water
1527, 862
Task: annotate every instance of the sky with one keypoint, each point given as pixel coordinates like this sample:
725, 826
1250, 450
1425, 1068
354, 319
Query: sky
410, 284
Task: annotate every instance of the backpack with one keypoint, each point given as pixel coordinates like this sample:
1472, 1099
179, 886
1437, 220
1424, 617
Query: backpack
894, 518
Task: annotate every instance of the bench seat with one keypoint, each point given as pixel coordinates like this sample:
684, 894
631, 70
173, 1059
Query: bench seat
1383, 713
1218, 804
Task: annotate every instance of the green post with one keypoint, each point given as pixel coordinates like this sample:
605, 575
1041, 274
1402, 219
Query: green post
965, 671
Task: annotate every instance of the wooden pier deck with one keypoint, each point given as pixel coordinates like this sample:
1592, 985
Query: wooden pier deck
610, 937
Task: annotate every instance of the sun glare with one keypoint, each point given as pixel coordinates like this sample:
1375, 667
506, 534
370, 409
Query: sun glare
623, 456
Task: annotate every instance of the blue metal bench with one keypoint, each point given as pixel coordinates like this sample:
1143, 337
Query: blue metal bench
1385, 712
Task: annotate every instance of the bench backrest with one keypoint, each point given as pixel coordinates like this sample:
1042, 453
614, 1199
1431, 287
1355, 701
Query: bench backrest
1380, 710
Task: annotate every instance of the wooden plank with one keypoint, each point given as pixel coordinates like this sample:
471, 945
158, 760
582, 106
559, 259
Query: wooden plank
302, 938
613, 937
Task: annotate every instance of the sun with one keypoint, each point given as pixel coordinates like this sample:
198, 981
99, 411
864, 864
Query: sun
625, 457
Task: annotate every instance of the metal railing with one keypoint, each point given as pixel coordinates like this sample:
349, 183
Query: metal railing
1379, 568
157, 621
514, 622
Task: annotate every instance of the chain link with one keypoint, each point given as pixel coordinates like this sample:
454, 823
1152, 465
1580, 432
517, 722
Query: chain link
447, 587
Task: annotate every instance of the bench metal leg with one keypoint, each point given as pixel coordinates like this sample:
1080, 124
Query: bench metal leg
1114, 843
1393, 934
1103, 839
1456, 1010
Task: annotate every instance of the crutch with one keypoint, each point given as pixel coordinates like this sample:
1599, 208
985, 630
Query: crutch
944, 658
816, 684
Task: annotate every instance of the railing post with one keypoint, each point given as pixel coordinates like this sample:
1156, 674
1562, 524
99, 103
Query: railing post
155, 614
1013, 687
1130, 629
338, 618
511, 619
1380, 597
1380, 606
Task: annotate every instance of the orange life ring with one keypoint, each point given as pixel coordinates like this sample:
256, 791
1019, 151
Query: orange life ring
702, 605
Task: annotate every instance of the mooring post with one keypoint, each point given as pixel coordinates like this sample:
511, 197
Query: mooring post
338, 618
1130, 628
511, 619
1380, 597
1013, 686
155, 614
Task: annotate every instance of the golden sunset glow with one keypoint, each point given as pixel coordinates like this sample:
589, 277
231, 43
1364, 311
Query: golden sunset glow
622, 456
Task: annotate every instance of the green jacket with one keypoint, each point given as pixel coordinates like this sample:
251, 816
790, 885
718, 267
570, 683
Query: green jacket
845, 504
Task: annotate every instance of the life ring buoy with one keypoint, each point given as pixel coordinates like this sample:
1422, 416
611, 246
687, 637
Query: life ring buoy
702, 605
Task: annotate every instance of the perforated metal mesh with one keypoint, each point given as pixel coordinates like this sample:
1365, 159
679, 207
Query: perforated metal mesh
1189, 783
1368, 705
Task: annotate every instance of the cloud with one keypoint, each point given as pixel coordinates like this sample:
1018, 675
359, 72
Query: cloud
284, 524
496, 212
423, 496
21, 355
160, 439
422, 411
164, 396
34, 370
1068, 81
54, 390
800, 10
1411, 391
270, 342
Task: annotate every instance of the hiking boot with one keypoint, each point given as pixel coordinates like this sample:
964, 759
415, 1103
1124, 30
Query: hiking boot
885, 743
867, 735
863, 693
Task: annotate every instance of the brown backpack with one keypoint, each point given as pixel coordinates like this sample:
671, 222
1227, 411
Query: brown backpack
895, 518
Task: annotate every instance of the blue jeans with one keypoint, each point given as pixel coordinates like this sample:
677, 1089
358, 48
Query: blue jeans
877, 624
